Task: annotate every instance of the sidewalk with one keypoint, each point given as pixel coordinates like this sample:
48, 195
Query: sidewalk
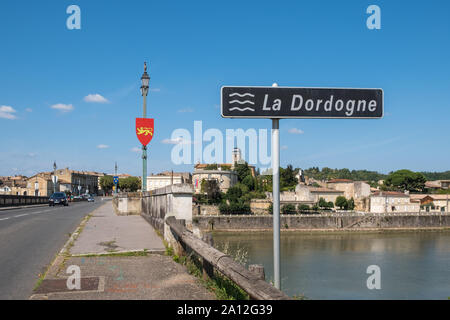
105, 232
138, 270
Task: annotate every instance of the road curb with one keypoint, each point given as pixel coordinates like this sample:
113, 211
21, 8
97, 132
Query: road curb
54, 267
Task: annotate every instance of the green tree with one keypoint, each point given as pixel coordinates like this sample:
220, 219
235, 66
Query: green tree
405, 180
341, 202
287, 177
242, 170
234, 193
212, 190
323, 203
130, 184
351, 204
249, 181
107, 183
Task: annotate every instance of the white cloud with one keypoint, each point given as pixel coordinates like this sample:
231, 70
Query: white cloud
102, 146
296, 131
32, 154
29, 110
135, 149
176, 141
284, 147
186, 110
62, 107
95, 98
6, 112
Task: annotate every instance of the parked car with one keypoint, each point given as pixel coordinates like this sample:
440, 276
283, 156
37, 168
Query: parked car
58, 198
91, 199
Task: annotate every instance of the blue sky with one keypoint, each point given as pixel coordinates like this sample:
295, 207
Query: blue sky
195, 47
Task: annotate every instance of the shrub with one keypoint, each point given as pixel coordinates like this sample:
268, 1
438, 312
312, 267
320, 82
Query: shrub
303, 208
288, 209
234, 208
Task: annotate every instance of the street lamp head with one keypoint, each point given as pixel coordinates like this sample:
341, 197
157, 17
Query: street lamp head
145, 80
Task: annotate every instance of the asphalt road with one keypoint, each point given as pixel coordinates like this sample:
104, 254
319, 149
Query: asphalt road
29, 240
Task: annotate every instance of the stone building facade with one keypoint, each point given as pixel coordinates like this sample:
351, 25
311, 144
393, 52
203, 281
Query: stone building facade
391, 202
351, 189
167, 178
226, 179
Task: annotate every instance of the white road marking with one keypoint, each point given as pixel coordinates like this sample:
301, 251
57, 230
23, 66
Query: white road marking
29, 214
21, 215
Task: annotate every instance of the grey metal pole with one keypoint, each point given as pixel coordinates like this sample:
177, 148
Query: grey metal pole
276, 200
54, 177
144, 153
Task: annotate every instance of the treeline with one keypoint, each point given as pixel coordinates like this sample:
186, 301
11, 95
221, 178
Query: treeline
363, 175
129, 184
356, 175
430, 176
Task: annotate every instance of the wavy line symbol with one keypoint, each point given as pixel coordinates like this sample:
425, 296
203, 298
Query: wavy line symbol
242, 109
242, 102
242, 95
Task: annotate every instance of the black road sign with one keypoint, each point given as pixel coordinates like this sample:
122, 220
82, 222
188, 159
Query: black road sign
284, 102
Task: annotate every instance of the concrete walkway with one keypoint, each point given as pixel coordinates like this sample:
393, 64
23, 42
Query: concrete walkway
125, 276
105, 232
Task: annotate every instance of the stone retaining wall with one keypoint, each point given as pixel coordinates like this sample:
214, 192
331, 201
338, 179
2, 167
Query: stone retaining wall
323, 222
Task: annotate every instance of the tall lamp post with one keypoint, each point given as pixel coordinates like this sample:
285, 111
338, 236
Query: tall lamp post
145, 80
54, 177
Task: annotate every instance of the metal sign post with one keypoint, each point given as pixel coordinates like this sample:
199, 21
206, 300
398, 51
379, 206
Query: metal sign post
302, 103
276, 200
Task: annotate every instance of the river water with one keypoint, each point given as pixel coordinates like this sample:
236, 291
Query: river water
413, 265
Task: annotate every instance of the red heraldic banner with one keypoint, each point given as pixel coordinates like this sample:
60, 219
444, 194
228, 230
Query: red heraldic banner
144, 130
